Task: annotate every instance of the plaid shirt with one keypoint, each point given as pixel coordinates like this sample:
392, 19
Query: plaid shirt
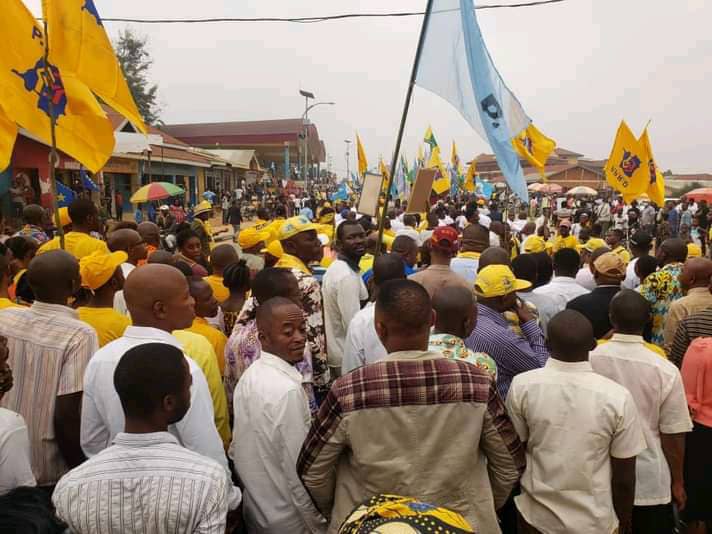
421, 408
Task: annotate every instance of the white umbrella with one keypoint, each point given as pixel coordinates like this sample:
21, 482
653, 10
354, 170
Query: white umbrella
582, 190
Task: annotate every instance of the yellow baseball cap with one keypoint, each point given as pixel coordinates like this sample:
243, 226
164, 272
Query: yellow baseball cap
249, 237
64, 218
202, 207
497, 281
534, 244
295, 225
97, 268
694, 250
594, 243
273, 249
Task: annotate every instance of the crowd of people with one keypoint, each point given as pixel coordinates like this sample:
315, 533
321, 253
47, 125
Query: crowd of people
481, 367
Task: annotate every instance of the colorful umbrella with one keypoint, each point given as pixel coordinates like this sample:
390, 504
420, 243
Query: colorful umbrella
703, 193
156, 191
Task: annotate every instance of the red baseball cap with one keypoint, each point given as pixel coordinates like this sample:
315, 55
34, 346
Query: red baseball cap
445, 238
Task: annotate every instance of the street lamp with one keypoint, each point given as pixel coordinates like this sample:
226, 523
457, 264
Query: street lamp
348, 159
305, 122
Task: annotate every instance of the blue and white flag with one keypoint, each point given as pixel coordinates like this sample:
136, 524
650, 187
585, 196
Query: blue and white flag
87, 182
341, 193
455, 64
65, 196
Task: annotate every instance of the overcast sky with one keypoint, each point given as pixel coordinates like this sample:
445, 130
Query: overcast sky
578, 68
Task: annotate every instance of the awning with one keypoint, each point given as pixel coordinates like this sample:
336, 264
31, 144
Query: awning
240, 159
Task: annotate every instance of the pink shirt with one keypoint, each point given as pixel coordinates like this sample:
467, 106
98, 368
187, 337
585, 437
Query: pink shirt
697, 378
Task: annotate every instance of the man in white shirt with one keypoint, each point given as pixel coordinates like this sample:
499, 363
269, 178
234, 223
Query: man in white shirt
563, 286
146, 481
582, 434
159, 301
657, 389
475, 240
15, 467
272, 420
362, 343
343, 290
131, 242
640, 244
602, 211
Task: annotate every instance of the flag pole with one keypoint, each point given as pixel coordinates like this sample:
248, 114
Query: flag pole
404, 117
53, 157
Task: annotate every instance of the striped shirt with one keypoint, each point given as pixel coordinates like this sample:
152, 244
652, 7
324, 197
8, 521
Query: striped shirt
689, 329
144, 483
49, 350
512, 353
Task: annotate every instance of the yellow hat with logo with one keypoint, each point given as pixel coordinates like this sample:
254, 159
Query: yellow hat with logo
295, 225
249, 237
203, 207
97, 268
497, 281
534, 244
593, 243
274, 249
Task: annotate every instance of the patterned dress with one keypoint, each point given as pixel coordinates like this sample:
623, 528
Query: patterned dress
661, 289
454, 348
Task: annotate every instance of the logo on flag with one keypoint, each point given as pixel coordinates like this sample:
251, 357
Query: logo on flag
653, 171
630, 163
35, 82
493, 109
90, 8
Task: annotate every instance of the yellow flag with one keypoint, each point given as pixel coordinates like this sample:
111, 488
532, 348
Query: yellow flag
421, 156
385, 173
8, 134
470, 176
656, 185
534, 146
78, 44
83, 130
441, 185
626, 170
455, 160
362, 162
437, 163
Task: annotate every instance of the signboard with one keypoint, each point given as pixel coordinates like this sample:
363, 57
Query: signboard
370, 194
419, 200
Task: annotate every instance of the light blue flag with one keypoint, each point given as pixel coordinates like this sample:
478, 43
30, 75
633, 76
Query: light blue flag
341, 193
469, 80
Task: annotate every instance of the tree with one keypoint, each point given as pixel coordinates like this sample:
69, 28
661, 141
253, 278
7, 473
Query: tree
135, 60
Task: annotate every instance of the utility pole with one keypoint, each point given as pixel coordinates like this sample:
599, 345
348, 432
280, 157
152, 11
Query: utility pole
348, 159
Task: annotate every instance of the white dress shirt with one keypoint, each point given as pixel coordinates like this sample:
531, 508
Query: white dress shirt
465, 267
631, 279
103, 416
362, 343
656, 386
572, 421
342, 291
272, 420
562, 289
15, 467
144, 483
585, 279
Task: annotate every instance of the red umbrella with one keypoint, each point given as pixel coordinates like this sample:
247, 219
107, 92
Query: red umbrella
703, 193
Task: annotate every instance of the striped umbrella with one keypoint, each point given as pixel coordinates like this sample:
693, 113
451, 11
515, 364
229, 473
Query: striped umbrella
156, 191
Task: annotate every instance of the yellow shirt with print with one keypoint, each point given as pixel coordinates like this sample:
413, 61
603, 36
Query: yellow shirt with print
199, 349
220, 292
7, 303
78, 244
622, 253
108, 323
561, 242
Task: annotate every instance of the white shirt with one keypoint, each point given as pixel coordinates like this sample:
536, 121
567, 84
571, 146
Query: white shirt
272, 420
342, 290
573, 421
144, 483
517, 225
15, 467
465, 267
585, 279
362, 343
562, 289
631, 279
103, 416
657, 389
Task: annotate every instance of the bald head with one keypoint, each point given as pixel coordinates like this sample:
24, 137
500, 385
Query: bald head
150, 233
222, 256
629, 312
696, 273
673, 250
494, 256
54, 276
455, 311
123, 239
570, 336
162, 256
158, 296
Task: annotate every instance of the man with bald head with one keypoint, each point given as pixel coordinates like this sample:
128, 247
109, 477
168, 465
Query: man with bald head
663, 287
151, 235
494, 256
416, 423
694, 280
580, 430
131, 242
271, 422
159, 301
475, 240
49, 351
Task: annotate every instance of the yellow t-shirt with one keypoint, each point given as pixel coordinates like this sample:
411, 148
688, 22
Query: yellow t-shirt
199, 349
622, 253
77, 244
217, 339
366, 263
108, 323
561, 242
7, 303
220, 292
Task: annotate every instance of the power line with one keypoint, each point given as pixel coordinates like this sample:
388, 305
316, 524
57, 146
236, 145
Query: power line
311, 20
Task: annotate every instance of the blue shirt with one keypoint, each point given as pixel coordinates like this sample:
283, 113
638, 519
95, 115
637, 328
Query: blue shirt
512, 353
